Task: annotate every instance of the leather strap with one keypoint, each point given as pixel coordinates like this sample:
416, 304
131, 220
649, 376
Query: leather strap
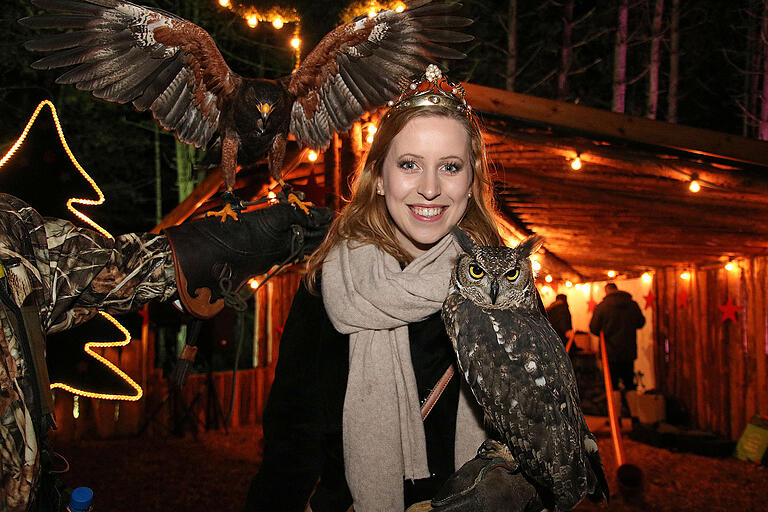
431, 400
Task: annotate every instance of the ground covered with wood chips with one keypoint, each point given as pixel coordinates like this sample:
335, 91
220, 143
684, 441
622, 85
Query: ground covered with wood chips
212, 473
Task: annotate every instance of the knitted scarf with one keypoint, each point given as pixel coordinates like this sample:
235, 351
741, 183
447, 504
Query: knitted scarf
368, 296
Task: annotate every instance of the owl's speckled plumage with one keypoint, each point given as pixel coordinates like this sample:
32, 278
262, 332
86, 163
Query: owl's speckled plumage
519, 372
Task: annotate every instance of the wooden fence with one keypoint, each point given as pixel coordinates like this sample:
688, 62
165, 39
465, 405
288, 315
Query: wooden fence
204, 401
715, 365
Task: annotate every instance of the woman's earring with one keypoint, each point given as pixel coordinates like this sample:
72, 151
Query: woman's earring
380, 192
469, 195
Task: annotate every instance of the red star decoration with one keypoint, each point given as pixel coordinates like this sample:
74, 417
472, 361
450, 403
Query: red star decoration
591, 305
682, 299
729, 310
649, 299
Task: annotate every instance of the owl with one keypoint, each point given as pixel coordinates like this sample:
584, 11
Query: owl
520, 374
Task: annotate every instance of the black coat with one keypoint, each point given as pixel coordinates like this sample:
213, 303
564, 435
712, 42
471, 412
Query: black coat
560, 317
619, 317
303, 416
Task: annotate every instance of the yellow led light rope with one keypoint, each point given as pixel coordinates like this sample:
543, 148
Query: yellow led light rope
89, 346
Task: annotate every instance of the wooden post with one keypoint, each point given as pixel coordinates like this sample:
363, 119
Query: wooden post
332, 171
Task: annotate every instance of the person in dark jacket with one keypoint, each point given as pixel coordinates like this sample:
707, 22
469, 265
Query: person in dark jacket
364, 346
560, 316
619, 317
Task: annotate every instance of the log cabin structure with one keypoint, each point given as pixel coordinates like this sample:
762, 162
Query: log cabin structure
628, 209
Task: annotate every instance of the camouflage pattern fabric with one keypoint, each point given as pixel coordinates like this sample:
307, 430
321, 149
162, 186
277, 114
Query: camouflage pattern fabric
68, 274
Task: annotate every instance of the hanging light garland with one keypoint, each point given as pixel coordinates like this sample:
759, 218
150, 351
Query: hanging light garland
89, 202
370, 8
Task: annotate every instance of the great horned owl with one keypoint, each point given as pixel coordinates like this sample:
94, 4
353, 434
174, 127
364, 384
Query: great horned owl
519, 372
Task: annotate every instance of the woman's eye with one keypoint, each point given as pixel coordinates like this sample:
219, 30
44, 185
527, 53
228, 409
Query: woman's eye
451, 168
408, 165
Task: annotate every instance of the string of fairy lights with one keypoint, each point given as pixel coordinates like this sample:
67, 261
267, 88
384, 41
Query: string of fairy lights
279, 17
91, 345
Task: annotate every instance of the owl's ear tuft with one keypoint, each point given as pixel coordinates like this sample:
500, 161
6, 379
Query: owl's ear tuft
465, 241
530, 245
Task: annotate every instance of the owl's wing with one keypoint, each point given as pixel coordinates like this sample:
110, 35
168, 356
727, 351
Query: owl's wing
125, 52
511, 363
359, 66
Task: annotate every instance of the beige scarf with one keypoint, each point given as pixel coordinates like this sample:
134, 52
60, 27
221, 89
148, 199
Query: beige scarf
368, 296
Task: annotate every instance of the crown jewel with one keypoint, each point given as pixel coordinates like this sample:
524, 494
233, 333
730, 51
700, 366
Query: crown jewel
432, 88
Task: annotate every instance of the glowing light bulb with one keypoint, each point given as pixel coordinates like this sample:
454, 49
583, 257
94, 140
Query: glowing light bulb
546, 289
685, 275
568, 284
278, 23
371, 12
535, 265
253, 283
271, 195
369, 139
252, 21
585, 288
224, 3
295, 42
611, 273
730, 266
694, 186
576, 164
646, 277
548, 278
577, 286
400, 7
372, 129
312, 156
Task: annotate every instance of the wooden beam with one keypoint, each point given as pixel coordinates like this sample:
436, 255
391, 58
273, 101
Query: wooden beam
620, 126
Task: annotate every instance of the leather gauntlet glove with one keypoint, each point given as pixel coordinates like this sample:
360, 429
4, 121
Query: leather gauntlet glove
484, 485
213, 259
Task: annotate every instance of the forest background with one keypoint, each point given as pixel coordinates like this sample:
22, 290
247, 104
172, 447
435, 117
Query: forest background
696, 62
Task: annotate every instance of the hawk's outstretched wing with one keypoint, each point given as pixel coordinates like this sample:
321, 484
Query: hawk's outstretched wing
125, 52
360, 66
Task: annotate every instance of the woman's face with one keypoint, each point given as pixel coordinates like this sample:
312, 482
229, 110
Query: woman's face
426, 179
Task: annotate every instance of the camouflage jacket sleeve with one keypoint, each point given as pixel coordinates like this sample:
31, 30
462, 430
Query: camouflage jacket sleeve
75, 272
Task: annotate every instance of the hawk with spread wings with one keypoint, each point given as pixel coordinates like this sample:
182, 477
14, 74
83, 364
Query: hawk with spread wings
123, 52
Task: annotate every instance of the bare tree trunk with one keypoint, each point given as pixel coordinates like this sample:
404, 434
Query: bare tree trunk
618, 103
511, 45
762, 132
185, 159
674, 61
653, 67
566, 55
158, 178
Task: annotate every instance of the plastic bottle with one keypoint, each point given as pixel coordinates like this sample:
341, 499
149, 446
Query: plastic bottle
81, 500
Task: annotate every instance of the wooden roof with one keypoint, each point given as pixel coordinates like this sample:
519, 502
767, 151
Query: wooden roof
628, 209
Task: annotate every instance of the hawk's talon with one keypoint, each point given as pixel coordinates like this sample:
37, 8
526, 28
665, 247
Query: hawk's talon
225, 212
293, 198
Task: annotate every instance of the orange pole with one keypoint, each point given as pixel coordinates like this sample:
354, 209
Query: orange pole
570, 341
618, 445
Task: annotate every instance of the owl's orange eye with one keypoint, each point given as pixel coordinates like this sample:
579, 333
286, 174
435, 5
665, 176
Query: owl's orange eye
513, 274
265, 109
475, 271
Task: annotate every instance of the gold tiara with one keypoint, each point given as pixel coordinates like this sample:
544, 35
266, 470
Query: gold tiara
432, 89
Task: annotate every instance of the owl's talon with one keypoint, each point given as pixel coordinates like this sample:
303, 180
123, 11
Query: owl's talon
491, 449
225, 212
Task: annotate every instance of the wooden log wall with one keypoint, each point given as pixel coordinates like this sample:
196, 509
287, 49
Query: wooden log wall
716, 368
152, 415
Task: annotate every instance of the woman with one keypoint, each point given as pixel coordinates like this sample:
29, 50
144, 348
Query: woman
343, 420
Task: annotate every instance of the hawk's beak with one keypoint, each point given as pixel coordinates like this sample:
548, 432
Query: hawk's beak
494, 291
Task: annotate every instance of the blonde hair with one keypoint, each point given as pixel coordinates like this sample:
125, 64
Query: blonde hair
365, 218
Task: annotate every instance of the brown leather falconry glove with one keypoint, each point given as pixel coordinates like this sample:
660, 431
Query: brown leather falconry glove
213, 259
484, 484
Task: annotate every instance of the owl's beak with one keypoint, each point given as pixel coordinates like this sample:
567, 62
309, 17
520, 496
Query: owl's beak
494, 291
260, 126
